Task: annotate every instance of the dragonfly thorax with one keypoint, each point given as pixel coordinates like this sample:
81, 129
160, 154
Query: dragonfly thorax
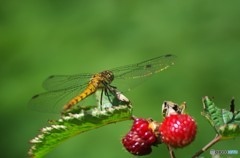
108, 76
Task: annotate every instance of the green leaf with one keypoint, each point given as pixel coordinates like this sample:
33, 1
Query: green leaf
212, 113
237, 116
229, 131
225, 122
79, 120
227, 116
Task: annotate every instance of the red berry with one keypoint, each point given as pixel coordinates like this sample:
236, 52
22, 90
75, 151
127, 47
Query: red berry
140, 124
135, 145
140, 138
178, 130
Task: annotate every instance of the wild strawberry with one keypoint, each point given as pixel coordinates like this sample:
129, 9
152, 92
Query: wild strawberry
178, 130
140, 138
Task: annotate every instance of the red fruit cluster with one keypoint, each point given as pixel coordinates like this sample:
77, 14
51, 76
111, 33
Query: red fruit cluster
140, 138
178, 130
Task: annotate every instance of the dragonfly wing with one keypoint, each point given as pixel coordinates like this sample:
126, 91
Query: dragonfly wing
144, 68
53, 101
58, 82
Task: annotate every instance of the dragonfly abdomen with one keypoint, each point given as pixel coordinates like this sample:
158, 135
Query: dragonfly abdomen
91, 88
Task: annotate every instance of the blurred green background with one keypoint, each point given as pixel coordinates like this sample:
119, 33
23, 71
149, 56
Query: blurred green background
41, 38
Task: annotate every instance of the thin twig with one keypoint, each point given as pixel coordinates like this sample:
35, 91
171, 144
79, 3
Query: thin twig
133, 117
215, 140
171, 153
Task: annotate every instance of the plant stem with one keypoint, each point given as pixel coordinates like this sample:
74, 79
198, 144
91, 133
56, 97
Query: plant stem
171, 153
215, 140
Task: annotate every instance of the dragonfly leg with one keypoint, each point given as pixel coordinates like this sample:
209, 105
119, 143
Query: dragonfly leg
101, 98
107, 94
112, 89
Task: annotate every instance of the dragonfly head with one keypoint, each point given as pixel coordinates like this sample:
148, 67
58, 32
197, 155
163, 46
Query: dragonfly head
108, 76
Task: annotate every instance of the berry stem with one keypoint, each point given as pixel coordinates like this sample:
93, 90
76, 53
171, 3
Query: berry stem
171, 152
215, 140
133, 117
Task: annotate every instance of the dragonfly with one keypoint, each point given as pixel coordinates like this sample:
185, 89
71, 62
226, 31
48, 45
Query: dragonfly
65, 91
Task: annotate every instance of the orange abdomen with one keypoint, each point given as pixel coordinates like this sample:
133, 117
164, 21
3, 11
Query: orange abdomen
91, 88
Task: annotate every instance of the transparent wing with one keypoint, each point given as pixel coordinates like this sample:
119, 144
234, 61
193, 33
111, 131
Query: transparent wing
53, 101
62, 88
58, 82
144, 68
